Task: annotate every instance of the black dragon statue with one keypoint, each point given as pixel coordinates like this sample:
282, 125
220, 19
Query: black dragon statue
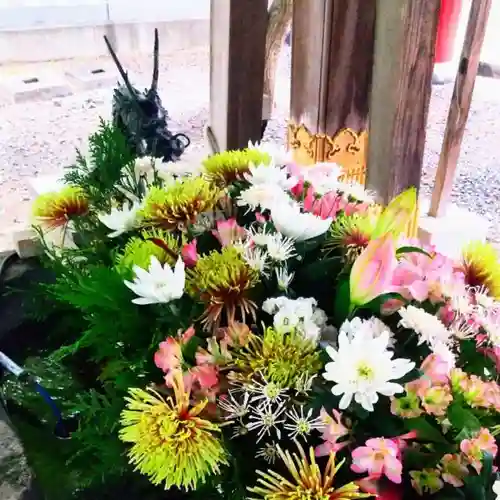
141, 116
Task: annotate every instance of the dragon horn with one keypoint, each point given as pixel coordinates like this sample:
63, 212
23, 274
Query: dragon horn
120, 67
154, 83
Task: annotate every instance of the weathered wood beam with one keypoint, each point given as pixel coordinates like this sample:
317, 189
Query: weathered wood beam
405, 38
460, 105
237, 58
332, 59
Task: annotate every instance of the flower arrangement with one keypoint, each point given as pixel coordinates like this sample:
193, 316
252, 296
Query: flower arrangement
252, 329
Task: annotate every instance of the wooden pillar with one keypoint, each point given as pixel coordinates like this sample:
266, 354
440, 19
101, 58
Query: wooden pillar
332, 59
405, 38
237, 58
460, 105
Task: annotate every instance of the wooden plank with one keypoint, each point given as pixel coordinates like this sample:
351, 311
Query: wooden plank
460, 105
405, 36
237, 59
350, 63
308, 61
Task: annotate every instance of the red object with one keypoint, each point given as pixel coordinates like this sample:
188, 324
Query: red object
449, 16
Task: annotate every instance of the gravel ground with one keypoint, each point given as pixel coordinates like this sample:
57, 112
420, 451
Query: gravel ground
39, 138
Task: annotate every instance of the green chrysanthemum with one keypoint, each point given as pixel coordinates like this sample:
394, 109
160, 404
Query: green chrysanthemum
280, 357
55, 209
171, 443
179, 204
351, 234
152, 243
222, 280
230, 166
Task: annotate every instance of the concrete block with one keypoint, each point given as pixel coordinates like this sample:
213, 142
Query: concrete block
34, 87
27, 244
451, 232
92, 77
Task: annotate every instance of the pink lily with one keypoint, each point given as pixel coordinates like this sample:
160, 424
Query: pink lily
228, 231
326, 206
371, 274
379, 457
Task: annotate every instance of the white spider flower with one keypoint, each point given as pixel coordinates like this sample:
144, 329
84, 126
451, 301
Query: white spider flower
270, 174
283, 278
368, 328
268, 452
301, 425
239, 430
279, 154
262, 196
291, 222
259, 237
255, 257
267, 419
120, 220
269, 392
280, 248
233, 407
362, 368
428, 327
159, 284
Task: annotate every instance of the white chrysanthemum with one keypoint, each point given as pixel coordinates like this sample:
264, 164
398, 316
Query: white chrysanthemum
292, 223
254, 256
369, 328
279, 248
362, 368
279, 154
259, 237
262, 196
120, 220
427, 326
324, 177
357, 191
180, 168
145, 167
159, 284
270, 174
496, 489
301, 315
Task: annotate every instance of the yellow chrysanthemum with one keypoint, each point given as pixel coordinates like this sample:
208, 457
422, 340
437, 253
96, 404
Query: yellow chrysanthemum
57, 208
171, 443
481, 268
281, 357
230, 166
152, 243
222, 281
179, 204
306, 482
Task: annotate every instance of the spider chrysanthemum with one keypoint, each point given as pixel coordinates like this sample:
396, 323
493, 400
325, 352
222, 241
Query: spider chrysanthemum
57, 208
155, 242
230, 166
305, 480
179, 204
171, 443
223, 280
481, 268
281, 357
351, 234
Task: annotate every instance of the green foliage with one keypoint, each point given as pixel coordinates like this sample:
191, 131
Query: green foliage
99, 174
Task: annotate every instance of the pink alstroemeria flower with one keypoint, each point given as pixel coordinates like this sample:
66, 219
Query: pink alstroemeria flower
189, 253
326, 206
475, 448
420, 277
333, 431
372, 272
379, 457
228, 231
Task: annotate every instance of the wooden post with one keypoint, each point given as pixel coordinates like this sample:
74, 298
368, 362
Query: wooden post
237, 58
332, 58
405, 39
460, 105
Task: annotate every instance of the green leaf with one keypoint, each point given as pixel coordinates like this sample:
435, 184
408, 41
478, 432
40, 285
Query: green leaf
411, 249
463, 419
342, 302
425, 430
